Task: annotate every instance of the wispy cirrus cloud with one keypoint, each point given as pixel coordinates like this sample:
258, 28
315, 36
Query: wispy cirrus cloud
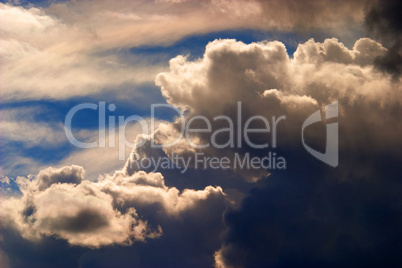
61, 51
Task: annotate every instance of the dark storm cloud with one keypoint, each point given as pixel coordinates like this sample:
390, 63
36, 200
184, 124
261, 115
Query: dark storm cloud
314, 216
384, 21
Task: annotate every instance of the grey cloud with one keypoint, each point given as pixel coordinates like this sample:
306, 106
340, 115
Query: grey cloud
86, 220
383, 21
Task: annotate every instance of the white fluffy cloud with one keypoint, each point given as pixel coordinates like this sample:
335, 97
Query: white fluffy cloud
269, 83
235, 71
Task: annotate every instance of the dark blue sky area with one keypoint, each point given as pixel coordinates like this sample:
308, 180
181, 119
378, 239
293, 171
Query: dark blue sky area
194, 45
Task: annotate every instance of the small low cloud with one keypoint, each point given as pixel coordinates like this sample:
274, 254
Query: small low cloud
61, 203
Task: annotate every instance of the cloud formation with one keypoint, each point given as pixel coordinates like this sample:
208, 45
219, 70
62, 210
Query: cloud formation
132, 205
309, 215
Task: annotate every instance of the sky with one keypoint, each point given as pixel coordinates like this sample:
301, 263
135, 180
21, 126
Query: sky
179, 133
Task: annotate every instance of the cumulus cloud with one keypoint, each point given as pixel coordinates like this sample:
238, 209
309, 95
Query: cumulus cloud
268, 82
49, 176
57, 202
61, 203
